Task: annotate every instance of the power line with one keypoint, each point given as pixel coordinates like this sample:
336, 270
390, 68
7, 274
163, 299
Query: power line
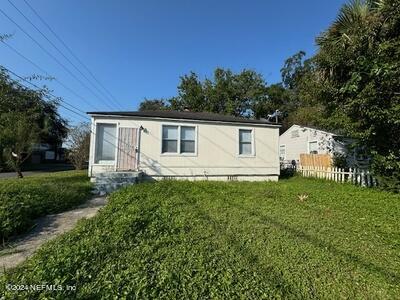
57, 98
52, 56
58, 50
71, 52
47, 73
69, 109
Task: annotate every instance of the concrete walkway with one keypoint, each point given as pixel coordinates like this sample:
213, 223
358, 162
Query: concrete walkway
47, 228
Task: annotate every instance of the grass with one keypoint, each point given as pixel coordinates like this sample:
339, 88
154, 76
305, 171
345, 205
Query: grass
190, 240
22, 200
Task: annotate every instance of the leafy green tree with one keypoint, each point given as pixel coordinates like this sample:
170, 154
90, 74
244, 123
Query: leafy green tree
190, 94
358, 63
153, 104
297, 97
293, 69
226, 93
19, 133
26, 118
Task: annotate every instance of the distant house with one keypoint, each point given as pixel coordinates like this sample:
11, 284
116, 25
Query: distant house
308, 140
44, 153
185, 145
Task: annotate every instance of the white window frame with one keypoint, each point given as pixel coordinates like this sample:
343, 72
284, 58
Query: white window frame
308, 146
106, 162
284, 147
253, 147
178, 153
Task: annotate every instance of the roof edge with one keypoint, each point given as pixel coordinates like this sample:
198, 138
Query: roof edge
237, 121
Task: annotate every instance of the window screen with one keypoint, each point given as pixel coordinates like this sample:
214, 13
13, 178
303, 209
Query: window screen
188, 139
245, 141
170, 139
106, 136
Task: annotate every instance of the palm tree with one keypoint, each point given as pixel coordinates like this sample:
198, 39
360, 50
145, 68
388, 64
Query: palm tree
352, 17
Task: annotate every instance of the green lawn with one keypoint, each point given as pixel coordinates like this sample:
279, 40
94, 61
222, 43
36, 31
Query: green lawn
22, 200
185, 240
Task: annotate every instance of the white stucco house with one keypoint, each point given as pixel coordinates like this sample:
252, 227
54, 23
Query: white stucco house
308, 140
183, 145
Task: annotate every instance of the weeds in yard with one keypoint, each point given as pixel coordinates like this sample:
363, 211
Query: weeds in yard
191, 240
302, 197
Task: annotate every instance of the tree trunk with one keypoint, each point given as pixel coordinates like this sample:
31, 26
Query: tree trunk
18, 164
19, 174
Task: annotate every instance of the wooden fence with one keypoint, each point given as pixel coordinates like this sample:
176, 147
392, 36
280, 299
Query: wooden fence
353, 175
316, 160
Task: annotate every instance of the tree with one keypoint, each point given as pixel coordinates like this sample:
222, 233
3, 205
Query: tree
79, 144
37, 120
226, 93
297, 97
292, 70
190, 94
358, 62
153, 104
18, 136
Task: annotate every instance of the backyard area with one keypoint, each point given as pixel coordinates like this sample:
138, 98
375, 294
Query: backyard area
296, 238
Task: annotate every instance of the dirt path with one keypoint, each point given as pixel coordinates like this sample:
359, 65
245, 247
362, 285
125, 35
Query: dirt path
47, 228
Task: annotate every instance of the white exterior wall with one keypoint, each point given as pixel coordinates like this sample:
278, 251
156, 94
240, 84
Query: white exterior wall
216, 155
299, 145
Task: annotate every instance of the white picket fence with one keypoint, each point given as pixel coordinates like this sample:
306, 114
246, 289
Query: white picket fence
355, 176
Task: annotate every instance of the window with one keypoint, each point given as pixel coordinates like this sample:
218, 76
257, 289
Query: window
313, 147
178, 139
106, 136
170, 139
245, 142
187, 139
282, 152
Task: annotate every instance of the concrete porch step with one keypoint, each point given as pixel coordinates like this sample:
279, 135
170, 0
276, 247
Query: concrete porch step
115, 179
107, 182
118, 174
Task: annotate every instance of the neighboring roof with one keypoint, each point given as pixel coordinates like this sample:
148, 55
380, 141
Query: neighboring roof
184, 115
312, 128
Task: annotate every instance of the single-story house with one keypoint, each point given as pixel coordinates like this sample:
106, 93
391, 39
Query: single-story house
183, 145
308, 140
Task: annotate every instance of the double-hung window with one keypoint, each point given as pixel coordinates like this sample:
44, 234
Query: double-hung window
246, 146
177, 139
188, 139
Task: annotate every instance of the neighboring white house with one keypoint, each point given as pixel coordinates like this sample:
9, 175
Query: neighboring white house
170, 144
301, 139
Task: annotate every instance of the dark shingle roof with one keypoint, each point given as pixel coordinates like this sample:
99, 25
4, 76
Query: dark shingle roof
184, 115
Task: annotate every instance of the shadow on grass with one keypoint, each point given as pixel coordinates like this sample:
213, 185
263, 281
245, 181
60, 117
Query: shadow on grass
369, 266
275, 278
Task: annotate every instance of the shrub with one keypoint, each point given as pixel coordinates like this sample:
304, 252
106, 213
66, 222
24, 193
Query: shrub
22, 200
387, 170
287, 173
339, 160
